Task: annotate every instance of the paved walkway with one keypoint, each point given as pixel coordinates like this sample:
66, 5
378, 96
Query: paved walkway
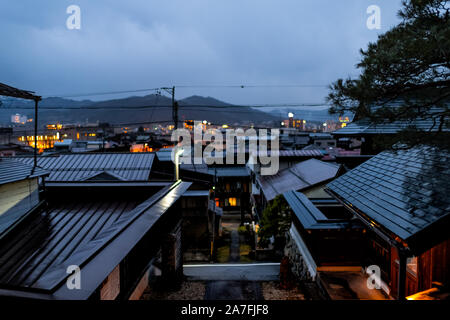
233, 280
235, 252
233, 272
348, 285
233, 290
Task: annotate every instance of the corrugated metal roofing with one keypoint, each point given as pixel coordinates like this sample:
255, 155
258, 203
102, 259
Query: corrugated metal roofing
300, 176
404, 191
11, 171
79, 167
53, 236
294, 153
73, 233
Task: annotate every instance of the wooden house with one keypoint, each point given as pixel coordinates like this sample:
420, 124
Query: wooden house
402, 198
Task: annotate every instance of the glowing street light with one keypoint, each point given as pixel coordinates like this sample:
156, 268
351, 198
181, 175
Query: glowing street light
178, 153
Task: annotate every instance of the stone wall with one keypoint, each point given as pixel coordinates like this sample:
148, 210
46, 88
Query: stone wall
302, 265
172, 255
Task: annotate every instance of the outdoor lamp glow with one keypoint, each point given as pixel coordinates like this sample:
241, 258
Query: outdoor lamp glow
178, 153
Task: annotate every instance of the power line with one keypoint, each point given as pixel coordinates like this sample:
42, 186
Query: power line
241, 86
98, 93
182, 107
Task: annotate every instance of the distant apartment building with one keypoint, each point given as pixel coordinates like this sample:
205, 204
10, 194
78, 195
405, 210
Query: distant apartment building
19, 118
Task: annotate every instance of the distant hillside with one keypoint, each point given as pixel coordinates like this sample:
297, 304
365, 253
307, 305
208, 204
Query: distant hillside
202, 101
151, 108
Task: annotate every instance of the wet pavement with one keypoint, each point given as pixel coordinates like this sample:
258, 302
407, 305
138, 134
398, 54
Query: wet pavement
234, 247
233, 272
233, 280
233, 290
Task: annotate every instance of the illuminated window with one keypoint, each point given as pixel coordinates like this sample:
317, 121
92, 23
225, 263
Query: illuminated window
411, 264
217, 202
233, 202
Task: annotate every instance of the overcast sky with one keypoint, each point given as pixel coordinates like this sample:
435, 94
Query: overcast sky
136, 44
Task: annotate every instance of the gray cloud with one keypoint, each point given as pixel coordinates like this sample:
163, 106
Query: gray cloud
144, 44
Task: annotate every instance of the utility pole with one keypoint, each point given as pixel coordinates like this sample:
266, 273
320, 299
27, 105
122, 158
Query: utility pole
174, 108
214, 215
36, 101
171, 91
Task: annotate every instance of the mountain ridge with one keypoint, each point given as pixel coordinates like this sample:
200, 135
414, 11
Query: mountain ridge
151, 108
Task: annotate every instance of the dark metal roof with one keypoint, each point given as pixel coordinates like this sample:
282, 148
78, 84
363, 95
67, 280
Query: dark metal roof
11, 171
115, 184
298, 177
405, 191
202, 168
9, 91
196, 193
164, 154
75, 233
107, 166
229, 171
294, 153
308, 215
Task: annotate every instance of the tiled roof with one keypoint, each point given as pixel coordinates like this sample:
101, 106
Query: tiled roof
404, 191
11, 171
300, 176
364, 126
79, 167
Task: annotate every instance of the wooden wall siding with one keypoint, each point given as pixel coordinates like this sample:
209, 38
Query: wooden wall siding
13, 193
110, 288
411, 280
424, 265
433, 265
411, 284
440, 256
140, 288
